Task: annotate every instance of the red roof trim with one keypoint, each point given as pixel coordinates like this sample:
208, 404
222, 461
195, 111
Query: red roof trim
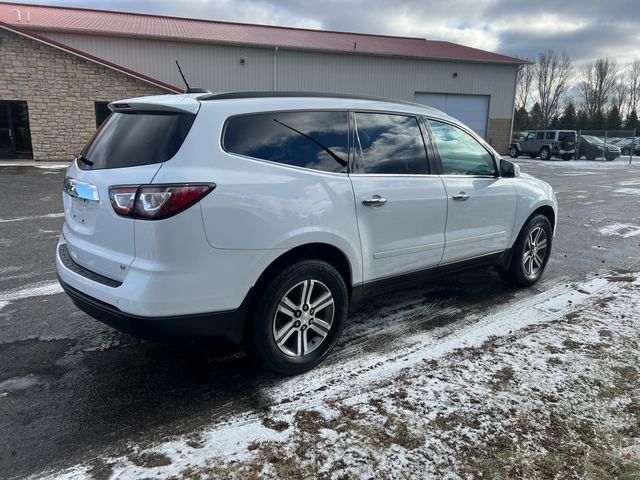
186, 29
90, 57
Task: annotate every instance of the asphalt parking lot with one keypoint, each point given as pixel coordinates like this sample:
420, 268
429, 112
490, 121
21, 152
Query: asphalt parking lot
72, 388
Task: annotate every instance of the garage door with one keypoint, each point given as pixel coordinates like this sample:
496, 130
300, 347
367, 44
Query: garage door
472, 110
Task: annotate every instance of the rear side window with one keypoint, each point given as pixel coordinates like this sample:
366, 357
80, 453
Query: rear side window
551, 135
137, 138
390, 144
460, 153
315, 140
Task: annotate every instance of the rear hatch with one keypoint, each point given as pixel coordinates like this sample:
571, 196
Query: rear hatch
128, 149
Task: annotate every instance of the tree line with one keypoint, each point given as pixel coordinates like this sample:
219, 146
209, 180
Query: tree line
600, 95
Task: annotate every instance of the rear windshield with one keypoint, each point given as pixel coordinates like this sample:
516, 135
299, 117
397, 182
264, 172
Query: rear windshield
136, 138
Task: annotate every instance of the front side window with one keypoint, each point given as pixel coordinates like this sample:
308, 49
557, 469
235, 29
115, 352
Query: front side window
315, 140
540, 136
531, 136
390, 144
460, 153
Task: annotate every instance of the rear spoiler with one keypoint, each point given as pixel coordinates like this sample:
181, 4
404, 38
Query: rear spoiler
160, 103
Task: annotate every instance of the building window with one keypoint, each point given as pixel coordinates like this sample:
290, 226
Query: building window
102, 112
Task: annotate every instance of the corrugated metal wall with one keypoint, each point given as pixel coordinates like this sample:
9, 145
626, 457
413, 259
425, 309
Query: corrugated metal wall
218, 68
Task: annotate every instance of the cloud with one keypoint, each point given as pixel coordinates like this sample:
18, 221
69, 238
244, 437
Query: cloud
584, 29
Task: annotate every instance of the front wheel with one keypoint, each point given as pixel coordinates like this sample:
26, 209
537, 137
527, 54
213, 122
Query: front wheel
298, 317
611, 159
530, 253
513, 152
567, 157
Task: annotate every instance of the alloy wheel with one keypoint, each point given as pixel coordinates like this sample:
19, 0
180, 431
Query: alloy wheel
535, 250
303, 318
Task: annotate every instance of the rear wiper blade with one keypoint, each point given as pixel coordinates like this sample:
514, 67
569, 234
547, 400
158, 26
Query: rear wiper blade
84, 160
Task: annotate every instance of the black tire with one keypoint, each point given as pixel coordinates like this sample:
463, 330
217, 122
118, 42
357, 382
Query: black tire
545, 153
590, 156
260, 342
516, 273
610, 159
567, 157
513, 152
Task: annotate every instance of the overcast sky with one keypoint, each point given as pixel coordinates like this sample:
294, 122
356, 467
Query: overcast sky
584, 28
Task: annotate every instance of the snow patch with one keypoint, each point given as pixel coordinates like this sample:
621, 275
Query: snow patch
625, 230
38, 289
33, 217
628, 191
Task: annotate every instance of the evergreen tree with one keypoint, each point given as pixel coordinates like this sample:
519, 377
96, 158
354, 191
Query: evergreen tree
555, 122
613, 120
582, 120
632, 122
568, 119
536, 117
598, 121
521, 121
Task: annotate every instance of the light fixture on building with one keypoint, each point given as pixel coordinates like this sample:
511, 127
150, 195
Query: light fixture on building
455, 74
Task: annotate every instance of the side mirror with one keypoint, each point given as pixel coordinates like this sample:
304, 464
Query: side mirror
509, 169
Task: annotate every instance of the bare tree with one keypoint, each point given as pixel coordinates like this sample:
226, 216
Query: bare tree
525, 84
632, 80
552, 78
598, 84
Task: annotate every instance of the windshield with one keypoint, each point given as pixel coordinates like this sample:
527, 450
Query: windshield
136, 138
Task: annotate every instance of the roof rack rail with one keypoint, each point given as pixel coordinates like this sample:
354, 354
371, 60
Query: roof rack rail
197, 90
276, 94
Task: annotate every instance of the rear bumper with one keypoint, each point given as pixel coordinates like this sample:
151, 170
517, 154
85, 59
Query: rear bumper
226, 326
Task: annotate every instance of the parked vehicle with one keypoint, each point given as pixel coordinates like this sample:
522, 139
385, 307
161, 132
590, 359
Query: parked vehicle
625, 145
546, 144
259, 218
592, 147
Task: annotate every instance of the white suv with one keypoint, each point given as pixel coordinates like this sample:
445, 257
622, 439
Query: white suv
258, 218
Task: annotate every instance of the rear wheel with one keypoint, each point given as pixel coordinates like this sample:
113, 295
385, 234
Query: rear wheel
590, 156
530, 253
298, 317
545, 154
513, 152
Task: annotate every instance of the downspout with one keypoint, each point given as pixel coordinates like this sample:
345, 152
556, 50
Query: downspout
275, 69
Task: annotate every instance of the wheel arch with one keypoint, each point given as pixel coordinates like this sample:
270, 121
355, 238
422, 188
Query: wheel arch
318, 251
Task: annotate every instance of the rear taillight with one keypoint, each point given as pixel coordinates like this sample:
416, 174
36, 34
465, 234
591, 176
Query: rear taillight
154, 202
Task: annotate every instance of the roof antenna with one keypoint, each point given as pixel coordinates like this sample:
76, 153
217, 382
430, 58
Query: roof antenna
189, 89
183, 79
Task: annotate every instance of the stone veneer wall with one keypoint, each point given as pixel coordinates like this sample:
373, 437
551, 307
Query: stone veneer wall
60, 90
499, 131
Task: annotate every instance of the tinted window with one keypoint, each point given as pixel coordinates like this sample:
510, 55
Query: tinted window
316, 140
133, 139
551, 135
460, 153
390, 144
566, 136
540, 136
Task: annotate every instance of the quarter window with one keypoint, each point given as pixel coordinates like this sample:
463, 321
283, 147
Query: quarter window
390, 144
551, 135
315, 140
460, 153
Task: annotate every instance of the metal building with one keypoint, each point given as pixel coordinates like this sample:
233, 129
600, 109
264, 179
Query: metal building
473, 85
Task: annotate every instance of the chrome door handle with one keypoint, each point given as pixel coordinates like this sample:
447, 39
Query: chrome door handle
461, 196
374, 201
